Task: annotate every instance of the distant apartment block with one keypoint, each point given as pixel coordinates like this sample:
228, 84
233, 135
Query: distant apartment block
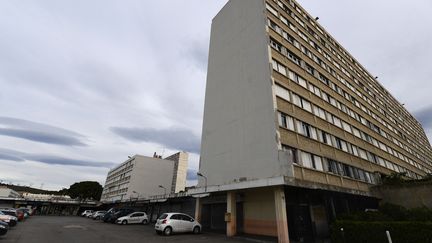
142, 176
294, 125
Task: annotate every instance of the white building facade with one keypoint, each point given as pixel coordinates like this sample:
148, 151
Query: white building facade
142, 177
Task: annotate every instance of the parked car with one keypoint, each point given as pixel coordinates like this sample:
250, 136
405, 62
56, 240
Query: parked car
4, 227
134, 218
86, 213
98, 215
169, 223
117, 213
108, 214
10, 220
13, 212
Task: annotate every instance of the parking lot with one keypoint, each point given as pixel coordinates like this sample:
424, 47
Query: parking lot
42, 229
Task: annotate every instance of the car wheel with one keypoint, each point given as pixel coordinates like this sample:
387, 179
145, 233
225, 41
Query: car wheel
97, 218
124, 222
196, 230
145, 221
167, 231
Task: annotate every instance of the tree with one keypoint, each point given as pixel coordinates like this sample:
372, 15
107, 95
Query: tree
85, 190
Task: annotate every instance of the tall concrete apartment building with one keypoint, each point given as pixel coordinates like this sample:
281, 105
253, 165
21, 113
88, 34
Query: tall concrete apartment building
142, 177
295, 130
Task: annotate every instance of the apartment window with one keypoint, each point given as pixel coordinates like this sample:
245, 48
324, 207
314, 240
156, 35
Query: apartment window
325, 138
354, 150
274, 26
310, 69
284, 20
293, 58
302, 82
332, 166
371, 157
282, 93
271, 9
305, 129
381, 161
329, 117
311, 161
279, 67
307, 105
338, 143
382, 146
292, 153
319, 112
277, 46
317, 163
332, 101
313, 133
346, 127
286, 121
296, 100
356, 132
337, 122
306, 159
325, 96
362, 154
347, 170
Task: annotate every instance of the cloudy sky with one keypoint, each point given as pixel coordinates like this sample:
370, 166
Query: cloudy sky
84, 84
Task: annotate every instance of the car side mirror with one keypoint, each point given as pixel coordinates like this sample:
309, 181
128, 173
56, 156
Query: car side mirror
192, 220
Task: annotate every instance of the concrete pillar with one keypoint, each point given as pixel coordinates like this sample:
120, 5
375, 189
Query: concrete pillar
198, 209
281, 215
231, 209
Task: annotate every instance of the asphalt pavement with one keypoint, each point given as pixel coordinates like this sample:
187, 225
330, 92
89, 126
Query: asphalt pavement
58, 229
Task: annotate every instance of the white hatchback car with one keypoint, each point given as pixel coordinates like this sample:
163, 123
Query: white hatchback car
87, 213
169, 223
133, 218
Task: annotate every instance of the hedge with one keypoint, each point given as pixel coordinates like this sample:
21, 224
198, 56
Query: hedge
375, 232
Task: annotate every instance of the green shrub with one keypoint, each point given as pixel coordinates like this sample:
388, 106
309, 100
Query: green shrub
375, 232
390, 212
395, 212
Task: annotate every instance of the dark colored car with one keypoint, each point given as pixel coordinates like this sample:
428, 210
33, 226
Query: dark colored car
113, 214
4, 227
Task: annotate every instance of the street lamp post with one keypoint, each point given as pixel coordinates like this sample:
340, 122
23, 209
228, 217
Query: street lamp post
205, 178
138, 195
163, 188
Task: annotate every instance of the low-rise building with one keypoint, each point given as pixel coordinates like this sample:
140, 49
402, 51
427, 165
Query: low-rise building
7, 192
48, 197
141, 177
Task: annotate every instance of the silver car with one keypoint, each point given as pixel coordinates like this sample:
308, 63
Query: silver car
98, 215
169, 223
133, 218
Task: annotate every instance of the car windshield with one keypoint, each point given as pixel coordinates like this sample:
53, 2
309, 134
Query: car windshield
163, 216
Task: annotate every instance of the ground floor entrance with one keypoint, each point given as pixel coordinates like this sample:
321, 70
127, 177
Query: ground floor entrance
291, 214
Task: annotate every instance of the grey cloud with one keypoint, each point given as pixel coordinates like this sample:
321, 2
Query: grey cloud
425, 117
39, 132
55, 160
173, 138
17, 156
10, 157
198, 53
